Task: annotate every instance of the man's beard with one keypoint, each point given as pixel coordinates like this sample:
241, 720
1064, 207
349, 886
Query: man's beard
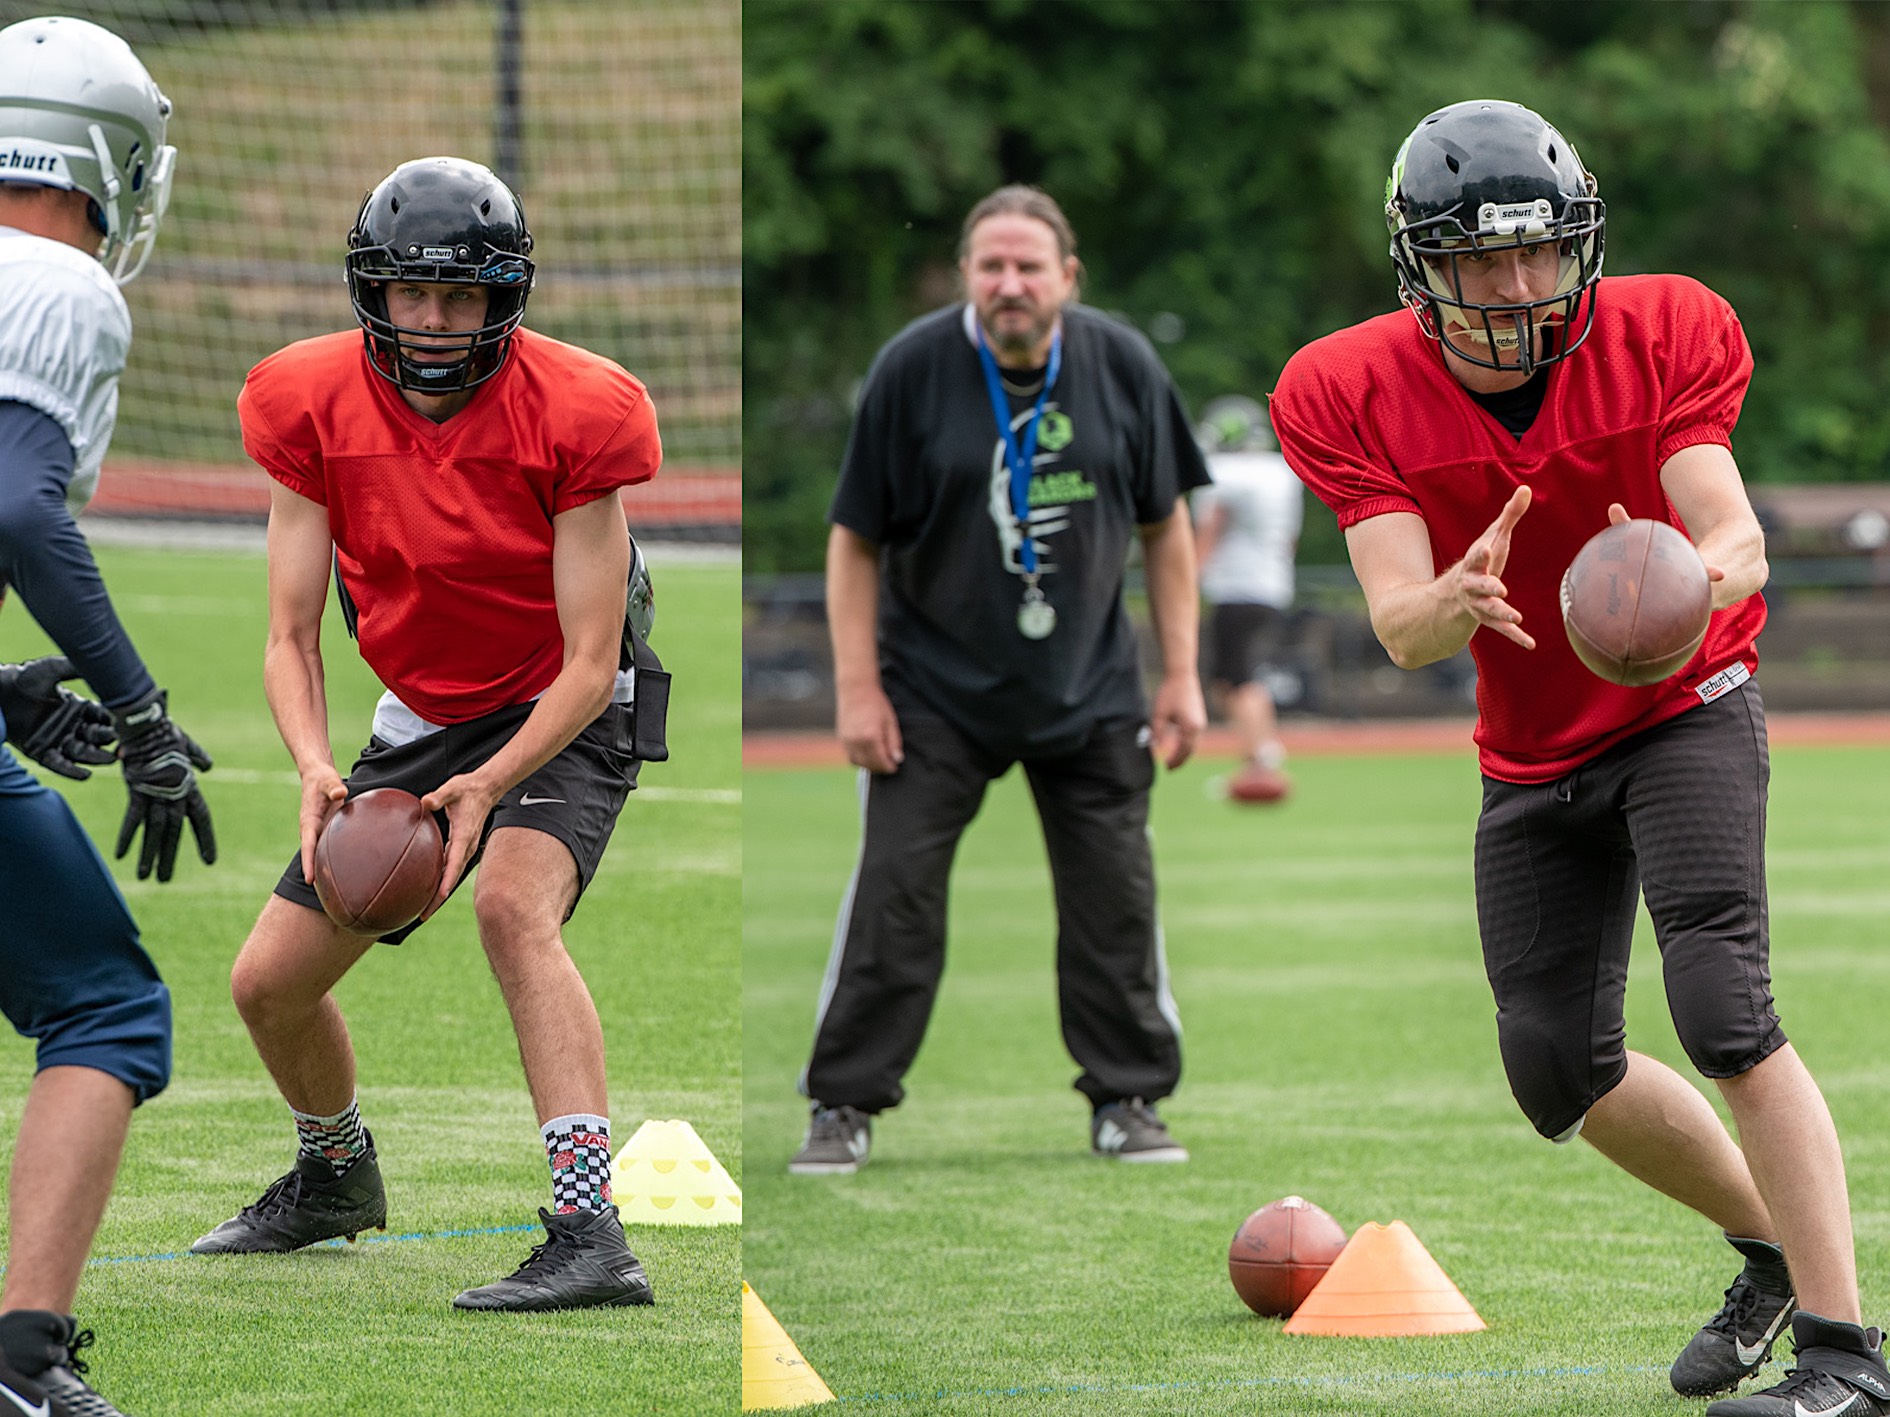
1016, 342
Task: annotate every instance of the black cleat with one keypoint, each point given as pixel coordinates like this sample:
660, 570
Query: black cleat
1737, 1340
1839, 1372
584, 1263
40, 1367
311, 1203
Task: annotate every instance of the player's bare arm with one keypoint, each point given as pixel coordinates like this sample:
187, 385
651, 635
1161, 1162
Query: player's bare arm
1705, 487
1179, 713
864, 719
299, 554
1209, 532
590, 571
1421, 617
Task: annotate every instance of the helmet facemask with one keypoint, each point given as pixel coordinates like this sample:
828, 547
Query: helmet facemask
1487, 177
440, 221
1524, 336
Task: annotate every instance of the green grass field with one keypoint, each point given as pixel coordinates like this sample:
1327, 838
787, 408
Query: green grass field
369, 1329
1340, 1044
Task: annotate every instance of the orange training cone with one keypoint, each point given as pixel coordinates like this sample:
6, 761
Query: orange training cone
1384, 1284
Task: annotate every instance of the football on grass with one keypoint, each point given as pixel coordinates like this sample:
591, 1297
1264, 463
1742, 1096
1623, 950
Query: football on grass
378, 861
1635, 602
1280, 1252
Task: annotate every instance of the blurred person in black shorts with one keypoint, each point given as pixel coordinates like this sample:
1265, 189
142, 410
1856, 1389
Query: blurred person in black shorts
1247, 525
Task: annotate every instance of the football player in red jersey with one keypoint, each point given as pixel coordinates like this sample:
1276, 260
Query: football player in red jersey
462, 475
1468, 455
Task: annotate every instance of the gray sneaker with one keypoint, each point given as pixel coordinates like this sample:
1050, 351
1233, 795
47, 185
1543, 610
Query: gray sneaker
838, 1140
1129, 1130
1737, 1340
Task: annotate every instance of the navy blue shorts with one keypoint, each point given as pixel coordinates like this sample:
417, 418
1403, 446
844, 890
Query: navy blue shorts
575, 797
73, 974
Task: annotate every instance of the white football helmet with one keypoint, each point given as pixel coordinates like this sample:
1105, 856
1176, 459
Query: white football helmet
79, 112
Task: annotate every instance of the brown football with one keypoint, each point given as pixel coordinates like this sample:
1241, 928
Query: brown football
1635, 602
1280, 1252
378, 861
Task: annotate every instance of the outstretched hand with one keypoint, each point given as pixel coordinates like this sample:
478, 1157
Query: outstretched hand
1478, 585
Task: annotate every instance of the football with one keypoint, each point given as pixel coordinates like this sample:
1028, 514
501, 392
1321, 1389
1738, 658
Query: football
378, 861
1635, 602
1280, 1252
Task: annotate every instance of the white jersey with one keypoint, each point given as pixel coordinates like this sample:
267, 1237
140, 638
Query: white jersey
1251, 563
64, 335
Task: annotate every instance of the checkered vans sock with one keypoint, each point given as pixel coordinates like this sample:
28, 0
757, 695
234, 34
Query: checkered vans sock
338, 1140
579, 1150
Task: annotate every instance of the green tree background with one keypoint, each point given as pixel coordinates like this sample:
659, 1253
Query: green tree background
1223, 164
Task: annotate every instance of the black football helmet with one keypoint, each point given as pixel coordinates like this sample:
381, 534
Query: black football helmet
1485, 175
451, 222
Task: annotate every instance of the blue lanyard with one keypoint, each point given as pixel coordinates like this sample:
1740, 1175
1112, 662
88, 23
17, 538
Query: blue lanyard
1019, 459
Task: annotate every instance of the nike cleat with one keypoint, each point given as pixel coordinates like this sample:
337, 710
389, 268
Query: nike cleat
1738, 1339
584, 1263
309, 1204
1839, 1372
41, 1370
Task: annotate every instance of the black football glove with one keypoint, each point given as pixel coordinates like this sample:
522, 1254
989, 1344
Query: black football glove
158, 763
54, 727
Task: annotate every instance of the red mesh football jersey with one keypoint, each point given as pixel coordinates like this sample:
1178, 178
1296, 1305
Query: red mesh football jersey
1372, 422
443, 531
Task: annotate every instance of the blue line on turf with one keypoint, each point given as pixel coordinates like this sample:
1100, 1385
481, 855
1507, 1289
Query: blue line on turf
1312, 1380
326, 1244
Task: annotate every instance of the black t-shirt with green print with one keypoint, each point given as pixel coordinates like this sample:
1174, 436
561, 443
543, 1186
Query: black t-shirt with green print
925, 478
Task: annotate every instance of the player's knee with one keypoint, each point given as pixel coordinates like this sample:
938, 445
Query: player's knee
128, 1038
1554, 1090
249, 990
517, 917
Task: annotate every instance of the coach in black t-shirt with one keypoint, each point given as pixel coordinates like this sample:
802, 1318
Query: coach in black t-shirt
1004, 452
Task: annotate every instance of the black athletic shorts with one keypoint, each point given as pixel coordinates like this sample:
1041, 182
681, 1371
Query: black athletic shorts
1675, 815
575, 797
1244, 638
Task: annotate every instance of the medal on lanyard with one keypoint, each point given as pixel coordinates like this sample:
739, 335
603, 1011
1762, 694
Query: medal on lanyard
1036, 617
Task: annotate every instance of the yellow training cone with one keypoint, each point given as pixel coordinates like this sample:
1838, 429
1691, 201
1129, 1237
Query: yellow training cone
774, 1374
666, 1175
1384, 1284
